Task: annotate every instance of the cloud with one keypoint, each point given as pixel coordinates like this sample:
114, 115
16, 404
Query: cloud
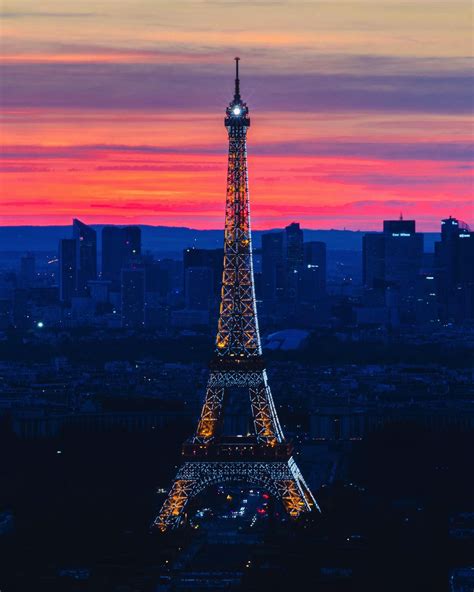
161, 86
442, 151
26, 203
165, 167
50, 14
380, 150
22, 169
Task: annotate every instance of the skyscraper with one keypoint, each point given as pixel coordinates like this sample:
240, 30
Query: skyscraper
199, 288
294, 246
121, 247
210, 258
293, 260
393, 258
67, 269
313, 275
86, 255
373, 259
272, 267
454, 264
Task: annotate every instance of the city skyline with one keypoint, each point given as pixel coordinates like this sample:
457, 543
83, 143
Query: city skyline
358, 114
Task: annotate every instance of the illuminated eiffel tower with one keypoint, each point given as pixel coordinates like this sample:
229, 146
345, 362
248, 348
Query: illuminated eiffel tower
263, 458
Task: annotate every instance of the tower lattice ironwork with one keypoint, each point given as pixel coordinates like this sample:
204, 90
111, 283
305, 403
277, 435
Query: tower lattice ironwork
263, 458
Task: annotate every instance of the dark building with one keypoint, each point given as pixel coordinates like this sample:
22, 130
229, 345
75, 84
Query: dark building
313, 275
27, 270
121, 247
133, 298
373, 259
292, 271
112, 252
272, 266
454, 264
86, 255
294, 255
406, 227
175, 273
294, 247
199, 289
157, 279
427, 299
210, 258
67, 269
393, 258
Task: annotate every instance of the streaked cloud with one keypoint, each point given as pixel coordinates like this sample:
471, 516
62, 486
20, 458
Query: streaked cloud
159, 86
328, 147
49, 15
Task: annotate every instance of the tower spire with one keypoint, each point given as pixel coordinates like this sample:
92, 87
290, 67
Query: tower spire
237, 81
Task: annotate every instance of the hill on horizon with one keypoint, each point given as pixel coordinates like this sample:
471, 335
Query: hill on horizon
170, 240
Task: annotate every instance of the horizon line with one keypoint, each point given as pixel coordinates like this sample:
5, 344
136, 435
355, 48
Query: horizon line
190, 228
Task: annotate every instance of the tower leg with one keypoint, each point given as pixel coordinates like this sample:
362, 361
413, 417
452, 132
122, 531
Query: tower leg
171, 513
294, 492
282, 479
211, 411
267, 425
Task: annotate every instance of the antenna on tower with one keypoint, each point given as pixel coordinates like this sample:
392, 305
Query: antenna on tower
237, 82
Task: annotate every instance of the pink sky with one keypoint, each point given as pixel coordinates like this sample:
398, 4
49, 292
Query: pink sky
360, 111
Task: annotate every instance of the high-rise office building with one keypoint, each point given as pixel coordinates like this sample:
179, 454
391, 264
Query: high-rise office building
393, 258
294, 255
133, 298
313, 275
157, 279
121, 247
294, 246
273, 272
67, 269
210, 258
112, 243
199, 288
454, 264
373, 259
86, 255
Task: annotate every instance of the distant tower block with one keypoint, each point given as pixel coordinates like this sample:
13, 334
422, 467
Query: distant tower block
264, 457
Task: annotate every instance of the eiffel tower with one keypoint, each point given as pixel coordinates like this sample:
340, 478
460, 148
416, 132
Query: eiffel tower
263, 458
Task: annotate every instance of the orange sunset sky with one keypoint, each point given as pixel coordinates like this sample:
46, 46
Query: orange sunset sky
113, 111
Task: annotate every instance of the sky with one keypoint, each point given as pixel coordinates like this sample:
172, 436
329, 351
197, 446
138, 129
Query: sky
113, 111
